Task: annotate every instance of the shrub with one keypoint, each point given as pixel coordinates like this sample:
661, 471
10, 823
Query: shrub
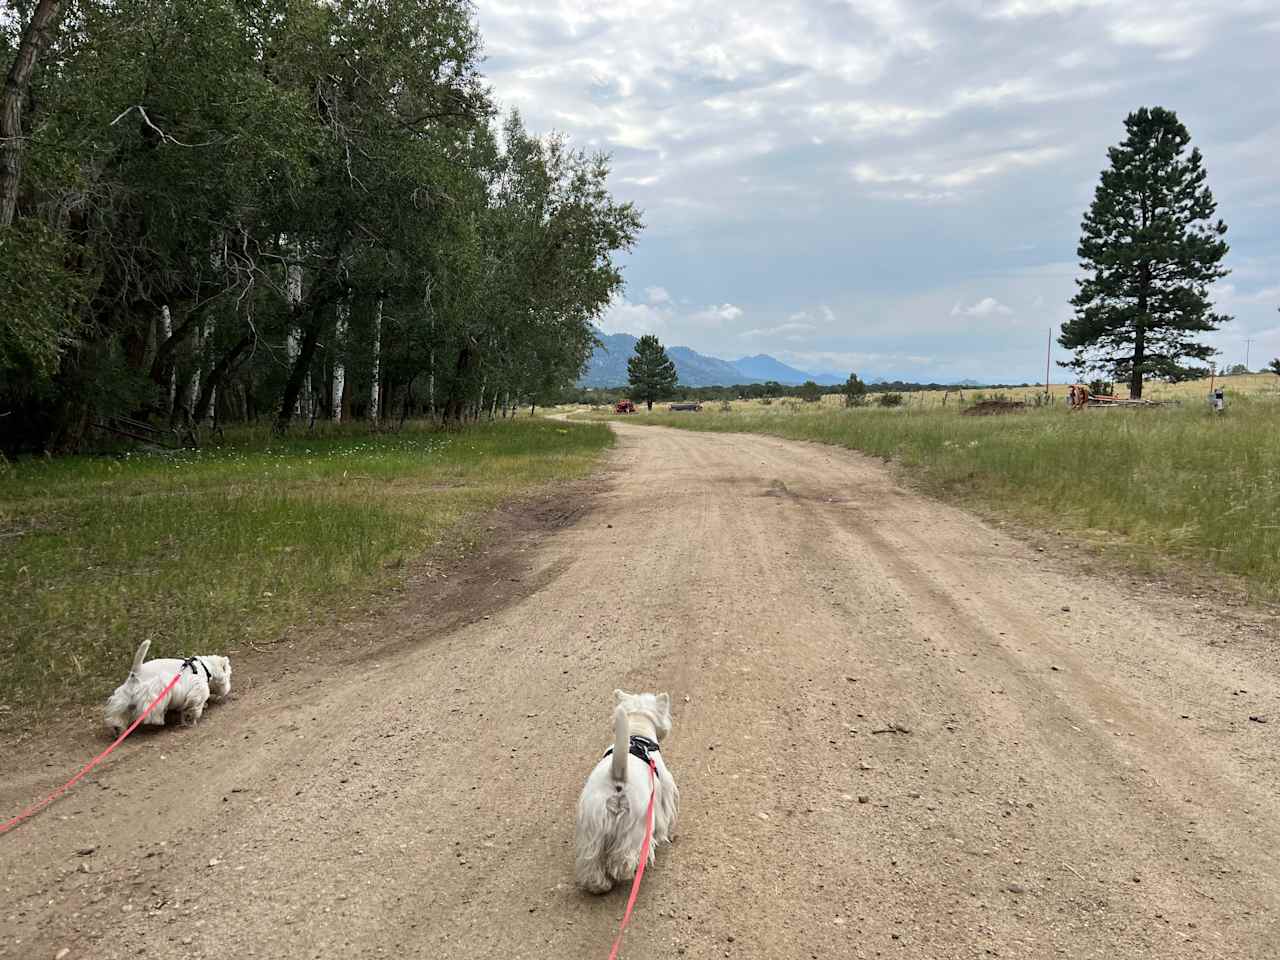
889, 400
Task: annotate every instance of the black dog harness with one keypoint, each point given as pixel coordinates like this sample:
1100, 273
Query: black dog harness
196, 665
640, 747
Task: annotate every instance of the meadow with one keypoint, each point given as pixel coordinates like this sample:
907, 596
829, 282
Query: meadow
1146, 485
1187, 392
207, 550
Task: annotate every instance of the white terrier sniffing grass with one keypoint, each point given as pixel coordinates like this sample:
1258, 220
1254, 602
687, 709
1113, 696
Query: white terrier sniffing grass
613, 806
202, 677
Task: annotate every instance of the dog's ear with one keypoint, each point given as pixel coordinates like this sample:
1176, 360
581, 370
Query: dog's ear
664, 704
619, 696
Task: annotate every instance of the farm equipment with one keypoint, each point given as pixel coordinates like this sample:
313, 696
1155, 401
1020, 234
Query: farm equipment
624, 406
1080, 399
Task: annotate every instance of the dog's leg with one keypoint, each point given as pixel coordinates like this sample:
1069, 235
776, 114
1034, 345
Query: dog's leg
193, 708
664, 830
148, 693
591, 840
591, 877
624, 857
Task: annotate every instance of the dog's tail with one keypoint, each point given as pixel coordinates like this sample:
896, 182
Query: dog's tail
139, 657
621, 744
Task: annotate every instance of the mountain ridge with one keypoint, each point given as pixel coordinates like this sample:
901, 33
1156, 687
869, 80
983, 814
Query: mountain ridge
608, 367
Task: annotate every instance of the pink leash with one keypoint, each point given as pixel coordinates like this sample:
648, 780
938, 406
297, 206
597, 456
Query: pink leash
644, 860
37, 807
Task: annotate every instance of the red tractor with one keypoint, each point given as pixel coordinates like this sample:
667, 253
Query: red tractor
624, 406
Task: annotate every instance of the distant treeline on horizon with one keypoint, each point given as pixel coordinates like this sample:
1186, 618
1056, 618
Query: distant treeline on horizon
772, 389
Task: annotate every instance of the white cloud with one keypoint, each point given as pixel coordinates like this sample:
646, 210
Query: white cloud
986, 307
784, 329
1227, 294
941, 181
840, 360
996, 164
1020, 9
623, 316
660, 314
716, 315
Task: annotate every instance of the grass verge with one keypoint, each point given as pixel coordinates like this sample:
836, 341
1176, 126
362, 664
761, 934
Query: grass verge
204, 550
1175, 482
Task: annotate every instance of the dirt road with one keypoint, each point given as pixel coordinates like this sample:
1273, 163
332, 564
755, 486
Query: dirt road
900, 732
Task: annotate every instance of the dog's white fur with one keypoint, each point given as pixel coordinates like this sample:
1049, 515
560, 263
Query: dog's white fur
148, 677
612, 808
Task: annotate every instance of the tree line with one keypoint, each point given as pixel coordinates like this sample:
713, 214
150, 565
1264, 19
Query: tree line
287, 209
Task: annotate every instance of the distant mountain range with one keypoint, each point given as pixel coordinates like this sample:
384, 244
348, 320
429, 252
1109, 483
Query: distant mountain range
608, 367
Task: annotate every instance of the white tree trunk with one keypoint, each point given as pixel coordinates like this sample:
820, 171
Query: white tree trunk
339, 368
293, 297
193, 387
166, 331
377, 364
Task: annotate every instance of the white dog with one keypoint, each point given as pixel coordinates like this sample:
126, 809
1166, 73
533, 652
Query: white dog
613, 806
201, 678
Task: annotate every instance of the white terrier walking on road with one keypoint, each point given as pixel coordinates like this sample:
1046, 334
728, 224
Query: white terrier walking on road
613, 805
202, 677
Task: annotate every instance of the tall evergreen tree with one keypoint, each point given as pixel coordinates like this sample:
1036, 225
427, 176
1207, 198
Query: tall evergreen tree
1150, 249
855, 391
651, 374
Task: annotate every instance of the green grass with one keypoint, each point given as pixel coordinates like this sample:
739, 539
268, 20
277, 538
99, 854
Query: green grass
204, 550
1173, 482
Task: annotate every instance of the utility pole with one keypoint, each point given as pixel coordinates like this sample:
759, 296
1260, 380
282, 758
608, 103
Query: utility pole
1247, 345
1048, 354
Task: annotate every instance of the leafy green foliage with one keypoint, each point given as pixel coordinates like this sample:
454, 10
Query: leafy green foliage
889, 400
41, 298
1150, 249
854, 391
1274, 366
809, 392
257, 169
650, 372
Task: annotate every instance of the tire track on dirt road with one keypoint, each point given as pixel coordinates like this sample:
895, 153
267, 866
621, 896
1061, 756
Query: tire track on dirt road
795, 599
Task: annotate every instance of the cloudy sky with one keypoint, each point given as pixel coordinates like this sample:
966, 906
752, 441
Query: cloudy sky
887, 186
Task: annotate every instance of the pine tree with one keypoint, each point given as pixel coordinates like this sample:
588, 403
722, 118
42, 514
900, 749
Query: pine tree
810, 392
651, 374
1150, 249
855, 391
